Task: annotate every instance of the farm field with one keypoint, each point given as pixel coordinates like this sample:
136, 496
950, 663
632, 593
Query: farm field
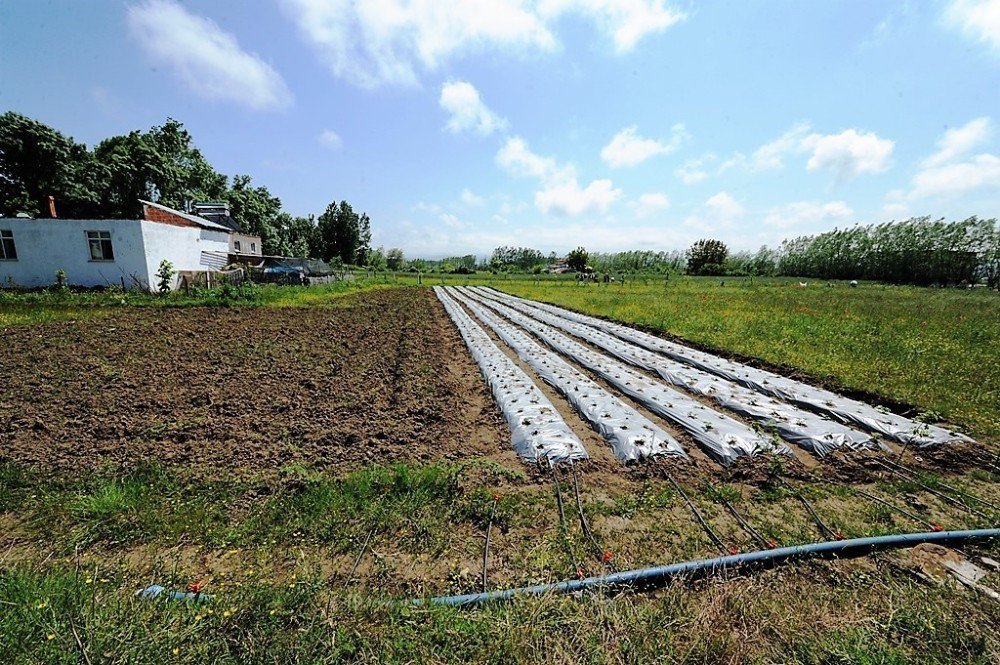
261, 449
933, 349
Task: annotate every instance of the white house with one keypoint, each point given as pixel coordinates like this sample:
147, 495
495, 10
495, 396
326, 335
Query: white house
104, 252
243, 247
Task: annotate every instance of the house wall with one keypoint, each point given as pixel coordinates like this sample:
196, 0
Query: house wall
182, 246
47, 245
246, 243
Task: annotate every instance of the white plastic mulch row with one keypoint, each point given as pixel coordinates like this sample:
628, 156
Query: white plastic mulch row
538, 431
632, 436
723, 438
803, 428
822, 401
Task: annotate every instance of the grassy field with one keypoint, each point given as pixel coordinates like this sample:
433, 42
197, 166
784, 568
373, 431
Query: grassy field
20, 308
277, 546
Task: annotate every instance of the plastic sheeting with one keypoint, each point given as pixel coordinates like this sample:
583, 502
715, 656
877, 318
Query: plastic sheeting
723, 438
803, 428
632, 436
538, 432
822, 401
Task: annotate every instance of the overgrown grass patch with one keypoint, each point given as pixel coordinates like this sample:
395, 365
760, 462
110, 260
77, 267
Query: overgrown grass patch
827, 613
414, 504
50, 305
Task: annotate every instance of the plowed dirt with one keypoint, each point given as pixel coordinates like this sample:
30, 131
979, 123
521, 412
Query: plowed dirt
381, 377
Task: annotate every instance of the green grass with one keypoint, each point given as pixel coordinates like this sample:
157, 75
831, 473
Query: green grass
415, 504
938, 349
21, 308
59, 614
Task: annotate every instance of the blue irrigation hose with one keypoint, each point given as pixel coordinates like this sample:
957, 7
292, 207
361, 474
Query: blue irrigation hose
660, 575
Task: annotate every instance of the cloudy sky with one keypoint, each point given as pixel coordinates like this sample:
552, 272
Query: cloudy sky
459, 126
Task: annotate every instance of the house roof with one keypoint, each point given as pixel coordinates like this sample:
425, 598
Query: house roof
194, 219
218, 212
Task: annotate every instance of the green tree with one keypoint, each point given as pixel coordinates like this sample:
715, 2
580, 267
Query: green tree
296, 236
364, 247
343, 233
707, 257
257, 212
394, 258
36, 162
161, 165
376, 259
165, 276
577, 259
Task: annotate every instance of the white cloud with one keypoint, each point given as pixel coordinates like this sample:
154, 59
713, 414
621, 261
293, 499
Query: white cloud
849, 153
895, 210
846, 154
978, 19
770, 155
558, 235
719, 213
627, 148
204, 57
694, 171
390, 41
330, 139
518, 159
561, 193
950, 172
627, 21
650, 204
724, 206
808, 213
979, 172
469, 198
468, 112
568, 199
958, 141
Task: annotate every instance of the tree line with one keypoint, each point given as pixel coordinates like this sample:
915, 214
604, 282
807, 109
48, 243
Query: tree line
162, 165
918, 251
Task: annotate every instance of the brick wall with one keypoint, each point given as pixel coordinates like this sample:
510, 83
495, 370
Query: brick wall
162, 216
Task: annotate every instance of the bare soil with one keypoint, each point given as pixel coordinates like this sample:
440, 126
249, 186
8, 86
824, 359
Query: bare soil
233, 392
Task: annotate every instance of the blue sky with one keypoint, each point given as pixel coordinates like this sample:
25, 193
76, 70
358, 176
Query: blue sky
460, 126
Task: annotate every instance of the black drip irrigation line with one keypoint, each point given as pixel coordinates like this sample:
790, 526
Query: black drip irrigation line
562, 521
364, 548
486, 547
963, 493
824, 530
902, 511
602, 556
697, 513
766, 544
659, 576
927, 488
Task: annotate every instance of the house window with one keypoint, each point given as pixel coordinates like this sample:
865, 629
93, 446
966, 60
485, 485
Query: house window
7, 250
236, 244
253, 247
100, 246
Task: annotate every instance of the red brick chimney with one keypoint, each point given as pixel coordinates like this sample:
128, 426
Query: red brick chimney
52, 207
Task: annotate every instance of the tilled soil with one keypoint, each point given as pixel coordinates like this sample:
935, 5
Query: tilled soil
381, 377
